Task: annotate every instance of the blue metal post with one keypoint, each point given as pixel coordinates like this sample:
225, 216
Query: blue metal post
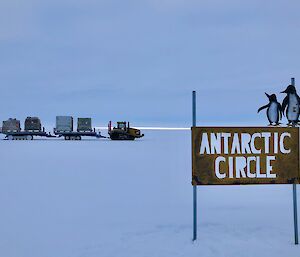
194, 187
295, 214
295, 198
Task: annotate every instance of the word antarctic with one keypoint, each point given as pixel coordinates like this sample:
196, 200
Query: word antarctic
262, 147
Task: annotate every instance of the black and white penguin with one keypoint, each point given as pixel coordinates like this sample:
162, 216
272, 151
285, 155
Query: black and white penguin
274, 111
291, 105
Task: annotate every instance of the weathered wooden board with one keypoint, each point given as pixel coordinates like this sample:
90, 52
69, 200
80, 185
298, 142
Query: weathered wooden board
245, 155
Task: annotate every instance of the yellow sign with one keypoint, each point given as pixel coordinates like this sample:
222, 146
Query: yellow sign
245, 155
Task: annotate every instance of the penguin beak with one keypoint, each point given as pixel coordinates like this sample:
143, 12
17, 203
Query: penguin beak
267, 95
283, 92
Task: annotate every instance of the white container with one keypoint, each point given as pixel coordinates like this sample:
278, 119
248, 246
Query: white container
64, 124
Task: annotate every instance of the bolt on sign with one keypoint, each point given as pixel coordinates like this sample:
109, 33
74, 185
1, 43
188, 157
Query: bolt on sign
245, 155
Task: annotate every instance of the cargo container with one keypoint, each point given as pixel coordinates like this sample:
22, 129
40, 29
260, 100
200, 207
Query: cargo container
11, 125
64, 128
64, 124
12, 129
33, 124
84, 125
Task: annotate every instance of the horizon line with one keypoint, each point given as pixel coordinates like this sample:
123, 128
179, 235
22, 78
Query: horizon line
153, 128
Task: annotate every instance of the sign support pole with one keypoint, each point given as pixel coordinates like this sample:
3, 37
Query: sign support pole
195, 186
295, 213
295, 198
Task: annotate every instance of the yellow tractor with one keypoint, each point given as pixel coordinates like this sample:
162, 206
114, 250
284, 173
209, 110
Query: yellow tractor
123, 131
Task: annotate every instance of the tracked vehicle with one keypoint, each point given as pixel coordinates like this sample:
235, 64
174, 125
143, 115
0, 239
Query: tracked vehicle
123, 131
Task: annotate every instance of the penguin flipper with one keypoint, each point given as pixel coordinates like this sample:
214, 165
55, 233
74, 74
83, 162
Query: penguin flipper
298, 98
284, 104
263, 107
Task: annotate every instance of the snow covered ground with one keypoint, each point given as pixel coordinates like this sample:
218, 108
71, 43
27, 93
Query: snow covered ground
108, 199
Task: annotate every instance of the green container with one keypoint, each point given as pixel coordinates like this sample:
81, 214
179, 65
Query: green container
84, 124
33, 124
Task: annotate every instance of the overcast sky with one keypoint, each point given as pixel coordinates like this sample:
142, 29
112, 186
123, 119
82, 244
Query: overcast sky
139, 60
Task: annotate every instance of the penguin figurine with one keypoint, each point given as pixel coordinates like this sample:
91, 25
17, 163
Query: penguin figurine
274, 111
292, 104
